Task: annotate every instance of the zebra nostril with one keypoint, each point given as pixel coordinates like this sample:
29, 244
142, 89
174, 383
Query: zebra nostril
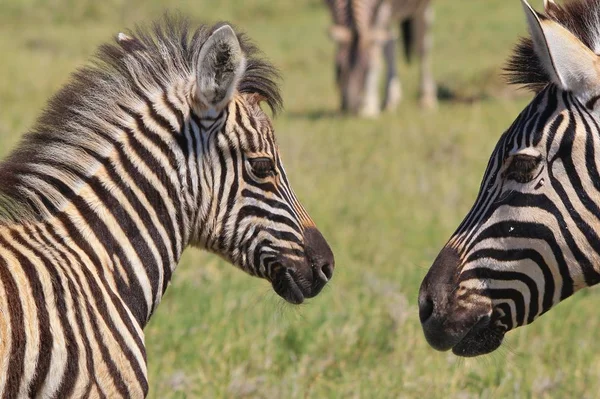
324, 271
328, 271
425, 308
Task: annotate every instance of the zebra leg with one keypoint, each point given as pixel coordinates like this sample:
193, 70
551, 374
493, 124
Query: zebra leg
393, 87
371, 106
428, 89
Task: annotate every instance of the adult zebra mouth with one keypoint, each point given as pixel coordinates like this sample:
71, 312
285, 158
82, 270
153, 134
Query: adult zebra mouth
481, 339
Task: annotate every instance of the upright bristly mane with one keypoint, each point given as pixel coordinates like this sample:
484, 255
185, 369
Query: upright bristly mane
581, 17
154, 58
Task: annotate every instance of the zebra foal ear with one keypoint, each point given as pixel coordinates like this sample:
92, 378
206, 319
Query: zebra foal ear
567, 60
220, 65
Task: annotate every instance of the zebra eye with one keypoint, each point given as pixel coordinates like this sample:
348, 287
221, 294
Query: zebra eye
262, 167
522, 168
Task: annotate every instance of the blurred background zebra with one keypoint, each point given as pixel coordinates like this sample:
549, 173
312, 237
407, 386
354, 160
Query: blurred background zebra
365, 32
161, 144
532, 238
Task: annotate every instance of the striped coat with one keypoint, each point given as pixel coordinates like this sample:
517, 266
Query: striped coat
532, 237
159, 145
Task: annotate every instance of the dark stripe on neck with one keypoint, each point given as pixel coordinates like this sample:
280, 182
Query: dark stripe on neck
71, 372
16, 357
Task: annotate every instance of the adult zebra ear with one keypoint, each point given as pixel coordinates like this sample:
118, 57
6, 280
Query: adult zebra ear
220, 65
567, 60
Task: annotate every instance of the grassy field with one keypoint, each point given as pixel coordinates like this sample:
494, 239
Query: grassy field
385, 193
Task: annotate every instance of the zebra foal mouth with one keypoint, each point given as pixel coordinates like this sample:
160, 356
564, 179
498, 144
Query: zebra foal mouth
294, 288
299, 279
289, 287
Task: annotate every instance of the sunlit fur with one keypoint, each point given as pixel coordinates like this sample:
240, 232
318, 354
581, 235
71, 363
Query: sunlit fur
532, 237
126, 169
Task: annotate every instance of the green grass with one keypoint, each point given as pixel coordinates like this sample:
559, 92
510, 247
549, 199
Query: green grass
385, 193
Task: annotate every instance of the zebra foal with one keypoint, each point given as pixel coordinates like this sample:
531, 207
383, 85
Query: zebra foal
159, 145
532, 238
364, 33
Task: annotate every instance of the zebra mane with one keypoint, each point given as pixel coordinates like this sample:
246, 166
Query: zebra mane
580, 17
147, 58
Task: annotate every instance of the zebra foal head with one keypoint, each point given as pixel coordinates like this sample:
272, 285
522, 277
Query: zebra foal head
174, 116
248, 212
532, 238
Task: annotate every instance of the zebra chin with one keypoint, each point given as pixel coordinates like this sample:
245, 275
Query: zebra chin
483, 338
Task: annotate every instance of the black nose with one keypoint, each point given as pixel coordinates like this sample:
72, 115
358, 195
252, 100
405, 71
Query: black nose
425, 308
445, 322
319, 255
439, 284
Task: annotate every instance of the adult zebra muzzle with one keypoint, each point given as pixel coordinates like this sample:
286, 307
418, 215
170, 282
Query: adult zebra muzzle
452, 316
297, 280
472, 334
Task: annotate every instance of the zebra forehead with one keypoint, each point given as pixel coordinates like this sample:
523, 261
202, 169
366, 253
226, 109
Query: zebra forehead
253, 119
581, 17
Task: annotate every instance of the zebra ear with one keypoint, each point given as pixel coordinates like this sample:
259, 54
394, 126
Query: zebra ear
570, 63
220, 65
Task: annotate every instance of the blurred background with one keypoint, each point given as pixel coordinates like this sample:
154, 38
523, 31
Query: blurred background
386, 193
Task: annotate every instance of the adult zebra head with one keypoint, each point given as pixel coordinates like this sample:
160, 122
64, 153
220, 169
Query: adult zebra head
170, 120
532, 237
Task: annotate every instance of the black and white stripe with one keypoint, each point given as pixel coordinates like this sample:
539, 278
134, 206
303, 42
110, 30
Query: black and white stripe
532, 237
160, 145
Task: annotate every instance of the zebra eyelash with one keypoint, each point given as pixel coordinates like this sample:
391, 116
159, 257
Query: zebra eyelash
262, 167
521, 168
